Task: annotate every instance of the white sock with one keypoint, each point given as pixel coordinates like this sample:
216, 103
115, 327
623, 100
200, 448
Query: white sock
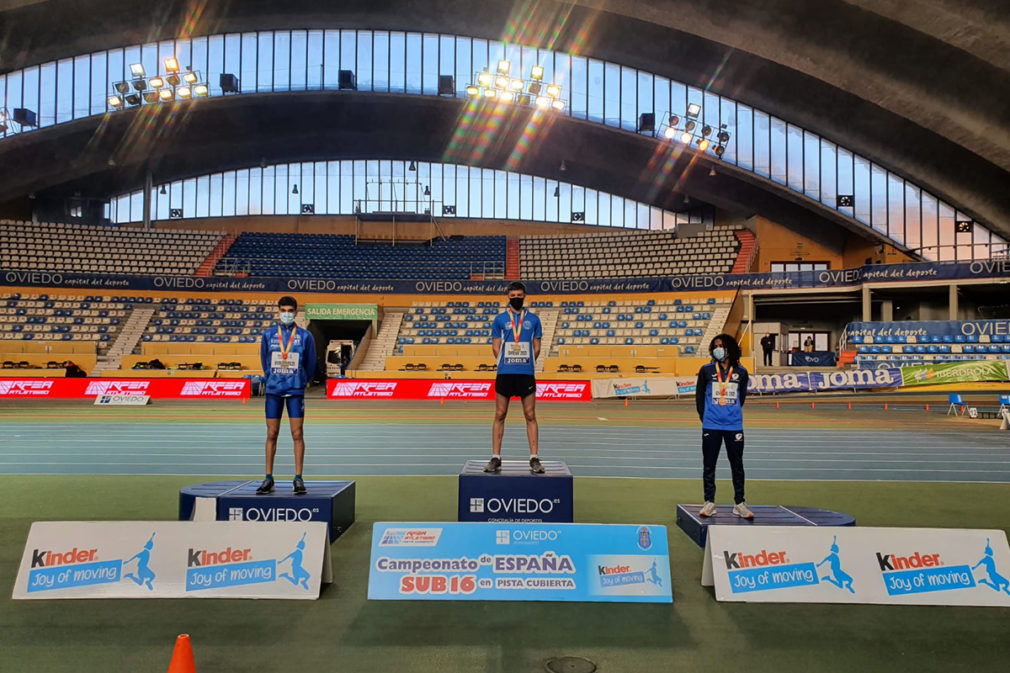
534, 455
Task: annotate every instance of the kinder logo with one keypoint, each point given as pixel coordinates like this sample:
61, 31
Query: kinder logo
915, 561
561, 391
410, 537
613, 570
97, 388
764, 558
213, 389
25, 388
364, 389
460, 390
44, 558
199, 558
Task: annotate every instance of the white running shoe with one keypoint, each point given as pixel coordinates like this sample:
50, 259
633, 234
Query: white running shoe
743, 511
708, 509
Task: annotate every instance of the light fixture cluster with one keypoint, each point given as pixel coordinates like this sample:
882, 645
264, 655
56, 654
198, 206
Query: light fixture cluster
502, 87
690, 129
174, 84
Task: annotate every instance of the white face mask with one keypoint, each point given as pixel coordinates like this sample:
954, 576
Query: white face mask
719, 353
287, 318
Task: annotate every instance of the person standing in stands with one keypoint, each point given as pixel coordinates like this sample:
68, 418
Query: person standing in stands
515, 341
719, 395
288, 356
808, 345
767, 346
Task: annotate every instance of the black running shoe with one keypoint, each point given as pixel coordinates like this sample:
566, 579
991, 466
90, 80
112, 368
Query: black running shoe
266, 487
299, 486
535, 466
493, 465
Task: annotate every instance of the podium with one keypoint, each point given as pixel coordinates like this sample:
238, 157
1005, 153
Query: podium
329, 501
516, 495
696, 526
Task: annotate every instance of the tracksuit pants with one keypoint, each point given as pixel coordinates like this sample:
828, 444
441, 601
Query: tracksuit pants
711, 443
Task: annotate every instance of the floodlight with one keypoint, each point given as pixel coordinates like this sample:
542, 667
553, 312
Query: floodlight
490, 93
140, 84
189, 77
543, 102
524, 99
171, 64
122, 87
537, 73
534, 88
3, 120
501, 82
558, 105
693, 110
689, 126
674, 120
472, 91
685, 137
156, 82
133, 99
484, 79
173, 79
703, 144
553, 90
201, 90
504, 66
506, 96
516, 85
706, 130
150, 96
184, 92
115, 101
166, 94
669, 131
723, 137
719, 150
962, 226
137, 69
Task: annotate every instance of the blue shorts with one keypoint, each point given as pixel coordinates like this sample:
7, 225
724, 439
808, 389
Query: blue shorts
295, 404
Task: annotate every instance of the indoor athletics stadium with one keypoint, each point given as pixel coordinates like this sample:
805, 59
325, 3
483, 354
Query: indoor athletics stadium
540, 335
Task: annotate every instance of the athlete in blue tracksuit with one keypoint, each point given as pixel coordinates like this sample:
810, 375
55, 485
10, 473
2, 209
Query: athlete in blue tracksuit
288, 356
720, 394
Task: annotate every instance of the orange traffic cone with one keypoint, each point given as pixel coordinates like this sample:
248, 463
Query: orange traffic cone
182, 656
927, 407
442, 401
776, 405
625, 401
813, 405
885, 406
850, 406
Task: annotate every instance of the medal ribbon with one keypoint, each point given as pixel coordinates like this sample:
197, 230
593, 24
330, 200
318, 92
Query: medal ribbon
280, 339
517, 331
722, 384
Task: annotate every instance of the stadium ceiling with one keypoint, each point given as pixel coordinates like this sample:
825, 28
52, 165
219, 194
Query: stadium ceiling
918, 87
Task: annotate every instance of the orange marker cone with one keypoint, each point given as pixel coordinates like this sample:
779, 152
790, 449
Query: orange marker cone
442, 401
182, 656
776, 405
625, 401
813, 405
927, 407
850, 406
885, 406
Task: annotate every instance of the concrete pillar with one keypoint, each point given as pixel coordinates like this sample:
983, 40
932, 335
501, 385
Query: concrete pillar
887, 310
953, 302
867, 306
148, 188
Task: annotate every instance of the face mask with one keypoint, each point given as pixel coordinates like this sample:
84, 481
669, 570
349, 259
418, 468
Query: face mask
516, 303
287, 318
719, 353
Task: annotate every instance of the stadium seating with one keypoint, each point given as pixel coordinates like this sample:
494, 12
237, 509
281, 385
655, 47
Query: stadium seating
202, 320
668, 322
628, 254
89, 249
337, 256
904, 350
43, 317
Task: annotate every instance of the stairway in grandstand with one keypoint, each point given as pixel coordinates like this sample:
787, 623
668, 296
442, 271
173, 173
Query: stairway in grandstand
512, 270
549, 324
126, 341
716, 325
748, 251
207, 266
383, 344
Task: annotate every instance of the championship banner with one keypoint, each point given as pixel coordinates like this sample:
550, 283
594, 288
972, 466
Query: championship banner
448, 389
655, 386
887, 566
159, 388
955, 372
520, 562
173, 559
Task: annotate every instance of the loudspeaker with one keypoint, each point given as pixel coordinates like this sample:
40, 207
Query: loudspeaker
229, 83
347, 80
647, 122
446, 85
25, 117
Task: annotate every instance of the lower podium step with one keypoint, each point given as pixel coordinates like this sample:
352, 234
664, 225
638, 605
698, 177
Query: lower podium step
696, 526
329, 501
515, 494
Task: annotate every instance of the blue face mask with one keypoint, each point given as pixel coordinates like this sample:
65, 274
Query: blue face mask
287, 318
719, 353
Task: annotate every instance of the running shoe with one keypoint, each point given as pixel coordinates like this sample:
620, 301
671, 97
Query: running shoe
708, 509
535, 466
493, 465
266, 487
299, 486
743, 511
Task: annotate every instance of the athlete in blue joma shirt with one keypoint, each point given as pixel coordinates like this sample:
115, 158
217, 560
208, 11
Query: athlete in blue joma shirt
515, 340
720, 394
288, 356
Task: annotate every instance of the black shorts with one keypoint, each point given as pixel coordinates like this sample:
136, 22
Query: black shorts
515, 385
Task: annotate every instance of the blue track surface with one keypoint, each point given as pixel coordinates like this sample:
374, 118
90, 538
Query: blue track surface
404, 449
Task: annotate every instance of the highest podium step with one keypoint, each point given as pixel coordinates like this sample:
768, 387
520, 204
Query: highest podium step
515, 494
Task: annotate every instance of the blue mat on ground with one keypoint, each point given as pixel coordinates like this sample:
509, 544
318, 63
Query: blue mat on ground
696, 526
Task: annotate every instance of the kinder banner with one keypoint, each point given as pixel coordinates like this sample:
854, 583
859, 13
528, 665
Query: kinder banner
890, 566
519, 562
656, 386
173, 559
159, 388
955, 372
445, 389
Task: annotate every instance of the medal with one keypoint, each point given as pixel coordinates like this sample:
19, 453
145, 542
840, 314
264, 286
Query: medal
723, 401
280, 339
722, 385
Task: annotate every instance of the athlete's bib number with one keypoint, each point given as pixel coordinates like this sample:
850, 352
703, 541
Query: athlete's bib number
281, 366
724, 399
517, 353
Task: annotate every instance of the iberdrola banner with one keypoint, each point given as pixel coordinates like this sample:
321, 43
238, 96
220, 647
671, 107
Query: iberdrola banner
954, 372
